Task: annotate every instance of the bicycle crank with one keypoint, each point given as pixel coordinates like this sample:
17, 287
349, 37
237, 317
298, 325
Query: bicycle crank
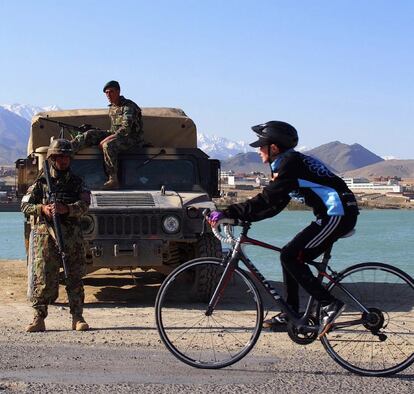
303, 335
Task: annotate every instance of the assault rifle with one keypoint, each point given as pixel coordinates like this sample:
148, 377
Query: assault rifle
81, 129
51, 198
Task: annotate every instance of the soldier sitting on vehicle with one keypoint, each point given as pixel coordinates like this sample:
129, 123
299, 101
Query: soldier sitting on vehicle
44, 260
125, 132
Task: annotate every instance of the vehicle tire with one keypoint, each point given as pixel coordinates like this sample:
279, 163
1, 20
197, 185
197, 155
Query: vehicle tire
380, 342
213, 341
207, 246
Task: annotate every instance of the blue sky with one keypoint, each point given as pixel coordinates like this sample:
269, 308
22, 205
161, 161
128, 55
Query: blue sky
336, 70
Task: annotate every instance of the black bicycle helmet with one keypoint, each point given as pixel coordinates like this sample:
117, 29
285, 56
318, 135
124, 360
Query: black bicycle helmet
275, 132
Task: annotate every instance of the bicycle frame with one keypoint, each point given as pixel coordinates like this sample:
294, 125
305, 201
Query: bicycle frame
300, 321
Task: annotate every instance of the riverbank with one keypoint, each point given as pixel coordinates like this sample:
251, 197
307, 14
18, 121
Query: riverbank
365, 201
10, 206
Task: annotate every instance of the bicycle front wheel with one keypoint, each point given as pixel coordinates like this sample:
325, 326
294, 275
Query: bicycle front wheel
213, 341
380, 340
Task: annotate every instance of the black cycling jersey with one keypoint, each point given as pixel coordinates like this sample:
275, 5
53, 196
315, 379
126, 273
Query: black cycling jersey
299, 176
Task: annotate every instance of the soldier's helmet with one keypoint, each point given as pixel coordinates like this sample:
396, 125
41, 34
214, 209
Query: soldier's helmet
60, 147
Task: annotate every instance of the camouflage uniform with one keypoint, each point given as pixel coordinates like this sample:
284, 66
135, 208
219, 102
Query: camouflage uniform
44, 261
126, 124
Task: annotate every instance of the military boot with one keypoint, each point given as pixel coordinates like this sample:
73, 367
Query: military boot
111, 183
38, 325
79, 324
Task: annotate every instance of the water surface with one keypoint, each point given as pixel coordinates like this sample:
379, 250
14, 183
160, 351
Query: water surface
381, 235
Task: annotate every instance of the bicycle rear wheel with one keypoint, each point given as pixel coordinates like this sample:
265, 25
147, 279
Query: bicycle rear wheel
214, 341
381, 342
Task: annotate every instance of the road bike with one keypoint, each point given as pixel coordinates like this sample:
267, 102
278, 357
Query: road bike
217, 323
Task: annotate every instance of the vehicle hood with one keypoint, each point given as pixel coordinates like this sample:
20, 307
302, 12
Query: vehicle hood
142, 200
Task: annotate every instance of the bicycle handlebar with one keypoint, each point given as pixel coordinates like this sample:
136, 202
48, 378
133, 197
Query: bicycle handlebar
227, 224
228, 236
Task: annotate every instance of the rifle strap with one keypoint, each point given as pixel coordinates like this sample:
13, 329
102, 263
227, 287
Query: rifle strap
51, 231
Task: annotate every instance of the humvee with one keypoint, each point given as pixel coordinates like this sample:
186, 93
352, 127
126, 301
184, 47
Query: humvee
154, 220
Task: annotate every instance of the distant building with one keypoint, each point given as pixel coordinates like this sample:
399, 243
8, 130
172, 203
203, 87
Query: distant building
225, 174
242, 182
364, 185
234, 180
392, 179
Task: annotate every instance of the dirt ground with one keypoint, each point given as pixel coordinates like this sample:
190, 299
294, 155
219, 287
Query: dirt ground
100, 287
114, 300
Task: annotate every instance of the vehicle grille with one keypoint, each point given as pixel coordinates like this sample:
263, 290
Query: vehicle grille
125, 200
129, 224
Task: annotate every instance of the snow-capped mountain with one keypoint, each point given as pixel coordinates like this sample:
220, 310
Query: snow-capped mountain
221, 148
14, 133
26, 111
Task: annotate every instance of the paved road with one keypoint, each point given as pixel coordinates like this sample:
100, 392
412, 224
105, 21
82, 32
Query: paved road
80, 368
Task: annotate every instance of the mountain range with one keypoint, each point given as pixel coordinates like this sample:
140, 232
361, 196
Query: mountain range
221, 148
352, 160
347, 160
14, 133
27, 111
339, 158
15, 128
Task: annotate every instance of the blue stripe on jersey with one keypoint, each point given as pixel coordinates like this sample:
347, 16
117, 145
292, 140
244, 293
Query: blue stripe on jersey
328, 195
276, 163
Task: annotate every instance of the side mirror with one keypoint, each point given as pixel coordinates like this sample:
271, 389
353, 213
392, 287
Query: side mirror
214, 184
26, 173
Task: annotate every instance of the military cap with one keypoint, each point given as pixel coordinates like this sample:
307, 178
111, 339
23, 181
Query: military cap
112, 84
58, 147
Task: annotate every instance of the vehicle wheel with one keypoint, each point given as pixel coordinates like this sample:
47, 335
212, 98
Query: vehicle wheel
216, 340
208, 246
380, 341
205, 279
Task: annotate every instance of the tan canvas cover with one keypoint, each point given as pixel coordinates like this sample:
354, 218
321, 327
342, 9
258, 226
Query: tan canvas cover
163, 127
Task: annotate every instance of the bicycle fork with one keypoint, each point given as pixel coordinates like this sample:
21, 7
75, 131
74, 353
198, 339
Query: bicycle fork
224, 281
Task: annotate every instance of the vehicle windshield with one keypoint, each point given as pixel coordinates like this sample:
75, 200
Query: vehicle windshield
91, 171
179, 175
175, 174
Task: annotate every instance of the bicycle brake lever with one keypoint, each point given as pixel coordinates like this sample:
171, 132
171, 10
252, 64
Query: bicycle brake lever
205, 213
203, 230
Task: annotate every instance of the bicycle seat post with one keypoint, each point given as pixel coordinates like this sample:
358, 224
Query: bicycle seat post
326, 257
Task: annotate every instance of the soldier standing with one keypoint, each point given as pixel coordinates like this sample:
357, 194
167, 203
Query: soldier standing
44, 260
125, 132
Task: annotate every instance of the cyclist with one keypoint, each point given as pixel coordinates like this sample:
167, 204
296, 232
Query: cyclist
294, 174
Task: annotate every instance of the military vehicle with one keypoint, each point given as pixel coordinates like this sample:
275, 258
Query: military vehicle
154, 220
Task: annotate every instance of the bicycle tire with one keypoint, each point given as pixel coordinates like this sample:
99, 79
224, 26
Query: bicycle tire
215, 341
383, 344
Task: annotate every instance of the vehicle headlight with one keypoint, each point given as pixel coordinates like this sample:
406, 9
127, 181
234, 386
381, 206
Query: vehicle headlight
87, 224
171, 224
193, 213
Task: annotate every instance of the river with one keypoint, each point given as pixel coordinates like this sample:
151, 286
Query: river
381, 235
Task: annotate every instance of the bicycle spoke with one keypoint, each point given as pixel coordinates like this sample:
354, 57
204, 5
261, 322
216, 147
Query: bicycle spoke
389, 348
233, 336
